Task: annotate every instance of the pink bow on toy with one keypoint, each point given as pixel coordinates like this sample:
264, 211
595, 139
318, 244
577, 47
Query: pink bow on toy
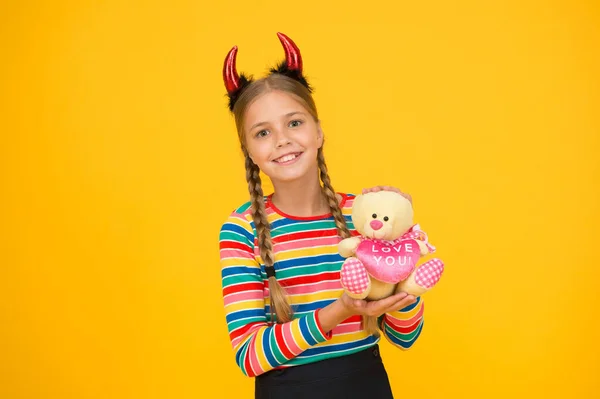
416, 233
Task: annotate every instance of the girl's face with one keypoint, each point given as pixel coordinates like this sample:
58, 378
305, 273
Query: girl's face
282, 137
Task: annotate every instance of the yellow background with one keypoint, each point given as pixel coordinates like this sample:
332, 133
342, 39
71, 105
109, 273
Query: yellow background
119, 162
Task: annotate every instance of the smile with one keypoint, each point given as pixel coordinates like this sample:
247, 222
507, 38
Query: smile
288, 158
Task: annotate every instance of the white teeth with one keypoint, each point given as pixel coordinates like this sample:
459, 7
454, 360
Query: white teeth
286, 158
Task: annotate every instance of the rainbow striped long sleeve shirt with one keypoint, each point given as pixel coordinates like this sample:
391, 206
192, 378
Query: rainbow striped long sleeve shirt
308, 266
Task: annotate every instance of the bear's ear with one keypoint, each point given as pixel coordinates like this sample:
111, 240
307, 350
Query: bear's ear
404, 216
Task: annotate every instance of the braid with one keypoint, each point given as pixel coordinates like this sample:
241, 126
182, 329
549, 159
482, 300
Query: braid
369, 323
329, 192
278, 300
258, 212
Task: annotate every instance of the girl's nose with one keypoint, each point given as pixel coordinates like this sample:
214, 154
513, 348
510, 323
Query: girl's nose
376, 224
282, 140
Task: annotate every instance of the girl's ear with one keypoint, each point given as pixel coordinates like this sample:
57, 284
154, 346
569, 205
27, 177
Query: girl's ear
250, 156
319, 134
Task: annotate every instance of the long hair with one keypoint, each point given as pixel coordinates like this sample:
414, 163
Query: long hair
278, 299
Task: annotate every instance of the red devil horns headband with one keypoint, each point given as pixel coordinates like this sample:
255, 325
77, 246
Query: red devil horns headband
293, 59
291, 67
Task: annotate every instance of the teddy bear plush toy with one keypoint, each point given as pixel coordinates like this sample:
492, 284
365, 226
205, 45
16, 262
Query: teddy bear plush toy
383, 259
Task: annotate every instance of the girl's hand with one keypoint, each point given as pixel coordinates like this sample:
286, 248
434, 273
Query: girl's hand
387, 188
377, 308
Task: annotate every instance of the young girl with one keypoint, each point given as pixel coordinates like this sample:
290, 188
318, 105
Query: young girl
290, 324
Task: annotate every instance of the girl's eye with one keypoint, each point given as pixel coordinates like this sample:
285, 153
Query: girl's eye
295, 123
262, 133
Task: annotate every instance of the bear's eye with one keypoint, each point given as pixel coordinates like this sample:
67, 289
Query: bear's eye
374, 216
385, 218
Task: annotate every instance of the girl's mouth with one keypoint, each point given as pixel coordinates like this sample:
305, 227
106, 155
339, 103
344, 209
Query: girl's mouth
288, 158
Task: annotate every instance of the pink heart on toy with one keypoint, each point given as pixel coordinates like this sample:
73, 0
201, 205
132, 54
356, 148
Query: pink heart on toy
389, 261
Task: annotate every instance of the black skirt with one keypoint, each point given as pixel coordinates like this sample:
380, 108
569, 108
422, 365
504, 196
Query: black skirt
360, 375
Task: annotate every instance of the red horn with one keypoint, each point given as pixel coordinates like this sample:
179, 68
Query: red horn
230, 76
292, 53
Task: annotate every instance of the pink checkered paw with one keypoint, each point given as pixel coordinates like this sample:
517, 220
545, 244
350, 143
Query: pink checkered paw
354, 276
429, 273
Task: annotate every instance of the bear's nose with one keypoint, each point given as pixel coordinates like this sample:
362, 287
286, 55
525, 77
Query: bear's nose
376, 224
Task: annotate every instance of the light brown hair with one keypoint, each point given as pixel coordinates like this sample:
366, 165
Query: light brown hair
278, 300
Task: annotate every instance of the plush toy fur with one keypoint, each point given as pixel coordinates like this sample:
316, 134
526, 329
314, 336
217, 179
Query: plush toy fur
383, 260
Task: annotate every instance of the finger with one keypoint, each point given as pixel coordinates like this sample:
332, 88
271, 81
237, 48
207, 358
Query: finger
371, 189
389, 301
374, 308
399, 295
379, 307
409, 300
404, 302
394, 189
407, 196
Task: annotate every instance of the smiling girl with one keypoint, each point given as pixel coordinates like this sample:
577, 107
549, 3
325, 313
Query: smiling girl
290, 323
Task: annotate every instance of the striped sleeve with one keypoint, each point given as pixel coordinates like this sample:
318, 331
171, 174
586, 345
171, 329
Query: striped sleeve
403, 327
258, 346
